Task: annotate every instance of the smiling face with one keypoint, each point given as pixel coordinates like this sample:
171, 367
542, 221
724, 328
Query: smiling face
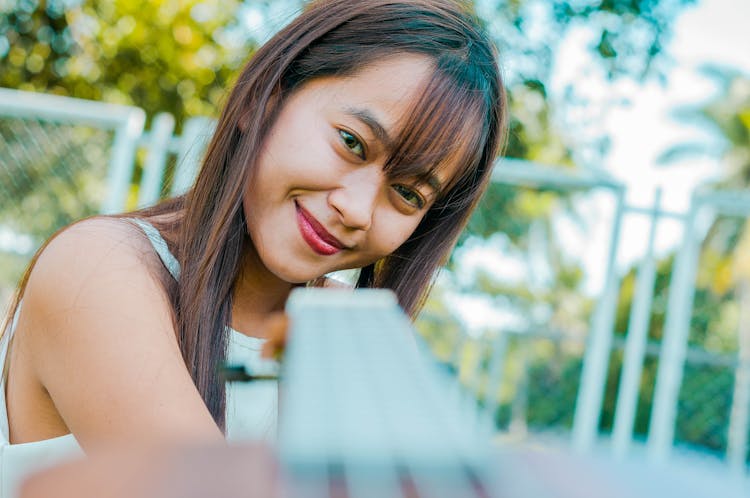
320, 199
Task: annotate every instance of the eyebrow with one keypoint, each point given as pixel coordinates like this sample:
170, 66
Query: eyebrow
371, 121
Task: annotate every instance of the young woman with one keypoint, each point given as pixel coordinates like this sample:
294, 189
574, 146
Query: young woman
361, 136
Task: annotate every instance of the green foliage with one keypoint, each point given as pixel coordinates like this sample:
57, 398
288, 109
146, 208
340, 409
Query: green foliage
493, 215
628, 34
35, 45
51, 175
703, 406
439, 327
160, 55
553, 386
532, 134
727, 114
11, 270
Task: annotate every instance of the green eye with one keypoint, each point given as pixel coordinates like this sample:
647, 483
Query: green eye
410, 195
352, 143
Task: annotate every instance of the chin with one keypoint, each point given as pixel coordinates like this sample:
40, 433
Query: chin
301, 281
296, 275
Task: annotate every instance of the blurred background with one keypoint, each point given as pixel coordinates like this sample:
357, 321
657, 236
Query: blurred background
621, 111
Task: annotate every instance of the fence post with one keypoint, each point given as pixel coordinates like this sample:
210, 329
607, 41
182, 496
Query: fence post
156, 160
596, 358
192, 146
635, 345
121, 163
674, 341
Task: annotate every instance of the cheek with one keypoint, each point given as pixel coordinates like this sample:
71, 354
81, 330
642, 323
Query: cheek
390, 234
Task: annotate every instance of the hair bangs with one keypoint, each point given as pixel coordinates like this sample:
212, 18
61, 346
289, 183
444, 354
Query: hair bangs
444, 127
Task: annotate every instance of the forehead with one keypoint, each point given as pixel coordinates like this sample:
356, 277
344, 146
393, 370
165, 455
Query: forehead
385, 89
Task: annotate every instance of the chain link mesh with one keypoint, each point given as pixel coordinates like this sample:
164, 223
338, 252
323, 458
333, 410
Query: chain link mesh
50, 175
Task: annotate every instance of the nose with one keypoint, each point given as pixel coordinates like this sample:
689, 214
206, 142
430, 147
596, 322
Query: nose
355, 199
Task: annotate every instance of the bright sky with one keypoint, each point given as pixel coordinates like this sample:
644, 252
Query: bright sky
641, 128
714, 31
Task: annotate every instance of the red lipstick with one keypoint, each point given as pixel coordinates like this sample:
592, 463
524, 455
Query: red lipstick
315, 235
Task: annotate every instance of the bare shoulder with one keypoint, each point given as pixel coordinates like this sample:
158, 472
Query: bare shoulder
99, 325
92, 245
99, 266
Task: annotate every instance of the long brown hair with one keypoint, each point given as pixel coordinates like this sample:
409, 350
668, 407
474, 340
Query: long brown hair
459, 117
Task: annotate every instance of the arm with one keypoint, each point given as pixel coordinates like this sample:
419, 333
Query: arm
102, 344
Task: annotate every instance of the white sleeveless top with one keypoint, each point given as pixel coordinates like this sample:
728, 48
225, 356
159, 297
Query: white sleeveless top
251, 409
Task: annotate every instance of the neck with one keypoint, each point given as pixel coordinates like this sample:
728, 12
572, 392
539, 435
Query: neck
257, 294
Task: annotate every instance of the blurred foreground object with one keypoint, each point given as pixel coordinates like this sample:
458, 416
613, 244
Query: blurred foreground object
196, 472
363, 407
251, 471
366, 414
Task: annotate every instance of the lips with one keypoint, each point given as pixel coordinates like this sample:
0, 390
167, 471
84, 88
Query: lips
315, 235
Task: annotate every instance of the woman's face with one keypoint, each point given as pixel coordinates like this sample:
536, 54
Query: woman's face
320, 200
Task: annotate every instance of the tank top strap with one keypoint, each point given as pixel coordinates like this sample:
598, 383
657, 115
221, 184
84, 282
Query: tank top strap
160, 246
4, 350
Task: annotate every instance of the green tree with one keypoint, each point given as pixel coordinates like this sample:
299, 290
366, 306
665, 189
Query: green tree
159, 55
